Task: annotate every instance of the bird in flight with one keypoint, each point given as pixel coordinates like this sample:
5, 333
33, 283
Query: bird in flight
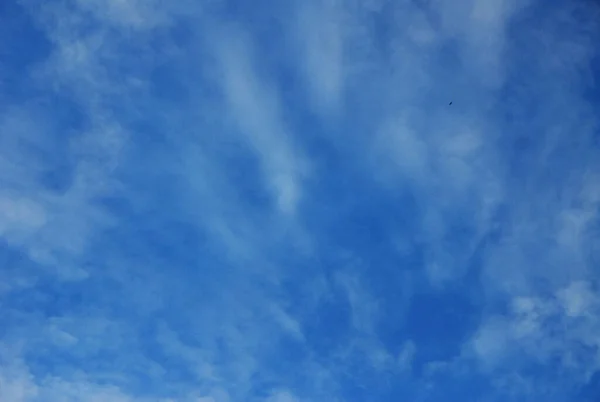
449, 104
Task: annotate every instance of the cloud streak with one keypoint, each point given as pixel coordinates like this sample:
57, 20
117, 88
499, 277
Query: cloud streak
215, 202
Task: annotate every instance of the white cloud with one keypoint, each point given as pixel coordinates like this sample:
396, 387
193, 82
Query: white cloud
447, 160
282, 396
490, 343
225, 311
578, 300
406, 356
287, 323
17, 384
137, 14
320, 37
256, 111
20, 216
559, 327
49, 225
217, 395
364, 307
54, 226
481, 27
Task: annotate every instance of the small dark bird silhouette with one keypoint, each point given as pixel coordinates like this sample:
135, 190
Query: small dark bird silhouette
449, 104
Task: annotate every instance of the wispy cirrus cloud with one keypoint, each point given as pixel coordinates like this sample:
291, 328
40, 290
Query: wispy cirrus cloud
255, 109
215, 202
320, 37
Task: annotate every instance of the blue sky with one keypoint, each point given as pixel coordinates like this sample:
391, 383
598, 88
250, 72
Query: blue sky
273, 201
